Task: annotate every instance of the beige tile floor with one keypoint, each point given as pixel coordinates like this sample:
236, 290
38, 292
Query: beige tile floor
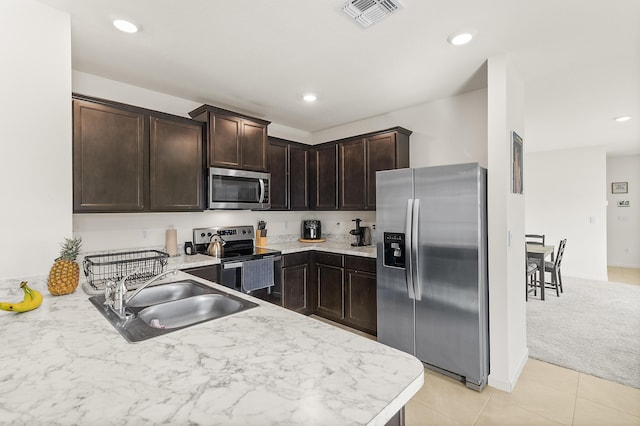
545, 394
624, 275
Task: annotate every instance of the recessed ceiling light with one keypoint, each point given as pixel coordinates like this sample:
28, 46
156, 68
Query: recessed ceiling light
125, 26
310, 97
623, 118
458, 39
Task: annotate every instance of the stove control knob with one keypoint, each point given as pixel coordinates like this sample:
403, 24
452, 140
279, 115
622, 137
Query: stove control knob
202, 234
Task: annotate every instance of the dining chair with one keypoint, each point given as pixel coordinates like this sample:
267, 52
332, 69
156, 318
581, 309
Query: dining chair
534, 239
554, 269
530, 279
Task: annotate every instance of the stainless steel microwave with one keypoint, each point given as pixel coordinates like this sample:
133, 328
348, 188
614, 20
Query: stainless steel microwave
238, 189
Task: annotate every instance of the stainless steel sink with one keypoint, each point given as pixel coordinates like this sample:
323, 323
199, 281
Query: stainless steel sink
166, 293
165, 308
184, 312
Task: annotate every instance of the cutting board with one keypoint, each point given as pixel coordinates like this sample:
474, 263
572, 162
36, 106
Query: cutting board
319, 240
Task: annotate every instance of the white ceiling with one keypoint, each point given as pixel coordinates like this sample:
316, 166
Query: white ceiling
580, 59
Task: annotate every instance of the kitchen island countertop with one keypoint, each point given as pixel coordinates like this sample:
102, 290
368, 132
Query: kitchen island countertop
63, 363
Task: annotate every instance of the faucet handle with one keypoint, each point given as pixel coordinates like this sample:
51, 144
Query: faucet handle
109, 295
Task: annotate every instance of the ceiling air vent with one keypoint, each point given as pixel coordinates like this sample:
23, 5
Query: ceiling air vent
367, 12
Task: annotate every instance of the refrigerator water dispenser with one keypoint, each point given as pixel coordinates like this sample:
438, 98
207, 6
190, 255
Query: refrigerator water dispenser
394, 252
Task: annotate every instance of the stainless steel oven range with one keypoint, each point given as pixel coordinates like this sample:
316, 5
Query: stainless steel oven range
243, 266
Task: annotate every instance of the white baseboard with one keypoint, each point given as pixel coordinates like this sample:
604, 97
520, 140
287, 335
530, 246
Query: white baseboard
588, 277
628, 266
510, 384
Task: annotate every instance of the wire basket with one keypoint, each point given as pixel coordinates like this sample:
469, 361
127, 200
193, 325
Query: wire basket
140, 265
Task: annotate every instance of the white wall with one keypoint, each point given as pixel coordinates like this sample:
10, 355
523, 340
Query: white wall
507, 310
99, 87
35, 152
446, 131
623, 223
565, 198
108, 231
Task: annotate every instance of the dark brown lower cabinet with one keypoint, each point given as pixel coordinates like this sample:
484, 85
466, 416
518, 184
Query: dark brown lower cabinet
360, 297
346, 290
330, 285
330, 291
342, 288
297, 292
294, 290
398, 419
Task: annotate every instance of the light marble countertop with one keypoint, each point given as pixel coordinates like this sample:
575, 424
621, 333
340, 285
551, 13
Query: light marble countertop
63, 363
340, 247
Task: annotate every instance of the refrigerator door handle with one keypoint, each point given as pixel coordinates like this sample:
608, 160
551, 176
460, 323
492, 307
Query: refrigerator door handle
408, 244
417, 292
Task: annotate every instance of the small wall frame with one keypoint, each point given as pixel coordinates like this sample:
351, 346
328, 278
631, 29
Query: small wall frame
516, 164
619, 187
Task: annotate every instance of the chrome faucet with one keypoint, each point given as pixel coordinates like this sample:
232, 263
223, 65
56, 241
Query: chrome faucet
147, 283
115, 294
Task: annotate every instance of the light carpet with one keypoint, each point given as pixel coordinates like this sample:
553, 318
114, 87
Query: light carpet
593, 328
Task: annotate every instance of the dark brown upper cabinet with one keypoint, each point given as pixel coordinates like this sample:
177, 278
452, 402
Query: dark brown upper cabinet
352, 170
278, 158
325, 177
352, 175
288, 163
175, 166
110, 159
130, 159
299, 166
233, 140
384, 151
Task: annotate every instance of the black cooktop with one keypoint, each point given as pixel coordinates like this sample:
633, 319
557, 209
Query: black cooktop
243, 253
238, 242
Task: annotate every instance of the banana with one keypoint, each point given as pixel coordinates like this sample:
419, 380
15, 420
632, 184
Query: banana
32, 299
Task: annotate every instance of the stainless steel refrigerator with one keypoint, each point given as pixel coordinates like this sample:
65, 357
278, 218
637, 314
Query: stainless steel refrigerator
432, 273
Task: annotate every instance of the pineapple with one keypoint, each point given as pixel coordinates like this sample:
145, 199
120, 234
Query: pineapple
63, 277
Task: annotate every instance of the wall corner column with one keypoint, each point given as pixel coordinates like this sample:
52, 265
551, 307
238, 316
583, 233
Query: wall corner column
507, 309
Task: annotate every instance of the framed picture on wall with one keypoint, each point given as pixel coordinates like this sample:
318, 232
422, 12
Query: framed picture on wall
516, 163
619, 187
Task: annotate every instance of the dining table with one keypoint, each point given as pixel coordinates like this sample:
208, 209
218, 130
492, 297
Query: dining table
538, 253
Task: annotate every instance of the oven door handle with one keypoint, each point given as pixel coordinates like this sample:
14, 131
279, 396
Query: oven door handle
232, 265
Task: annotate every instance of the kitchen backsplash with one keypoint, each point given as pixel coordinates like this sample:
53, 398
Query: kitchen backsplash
120, 231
